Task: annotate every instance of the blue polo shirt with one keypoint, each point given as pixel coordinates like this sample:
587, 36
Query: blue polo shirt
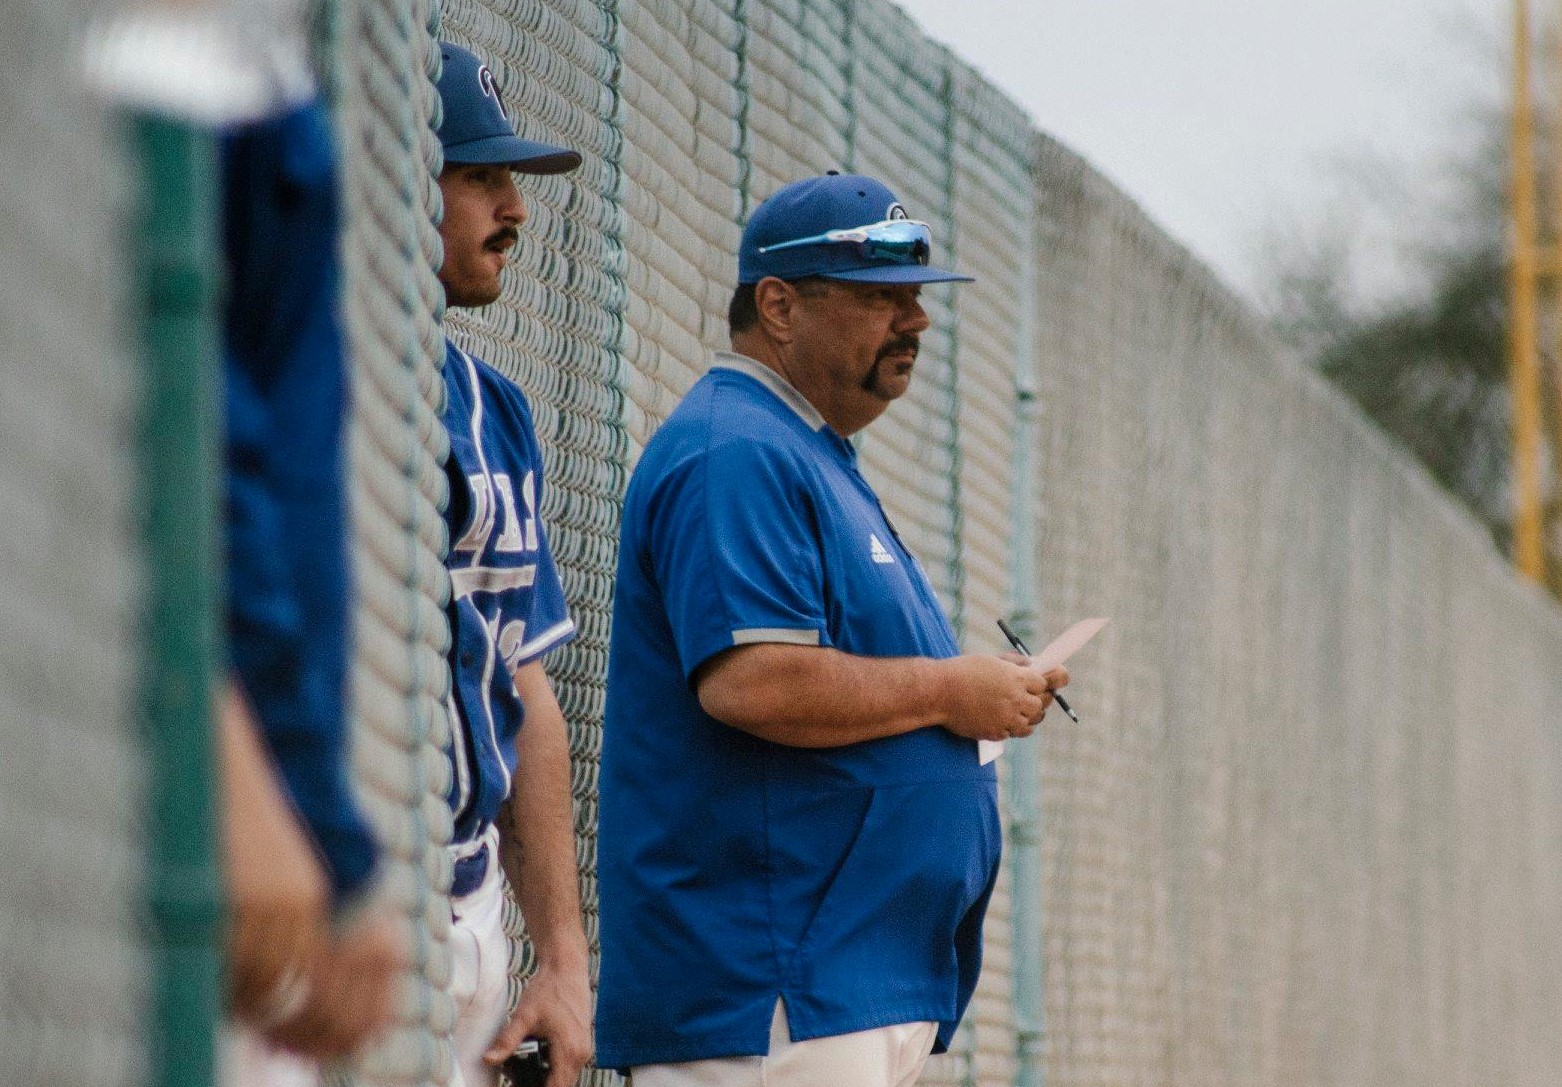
850, 882
507, 606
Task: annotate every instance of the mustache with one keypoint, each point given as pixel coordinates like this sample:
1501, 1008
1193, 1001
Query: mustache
899, 344
908, 342
502, 235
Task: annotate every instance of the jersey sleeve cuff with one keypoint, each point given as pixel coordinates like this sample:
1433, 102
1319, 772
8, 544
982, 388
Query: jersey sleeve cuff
761, 635
551, 638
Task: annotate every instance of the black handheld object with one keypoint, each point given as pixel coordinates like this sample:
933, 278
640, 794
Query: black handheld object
528, 1066
1019, 647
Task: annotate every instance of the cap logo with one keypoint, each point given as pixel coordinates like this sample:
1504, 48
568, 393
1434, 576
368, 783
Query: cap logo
896, 211
490, 86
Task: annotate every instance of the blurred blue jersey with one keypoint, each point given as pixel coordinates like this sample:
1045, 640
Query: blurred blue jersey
288, 578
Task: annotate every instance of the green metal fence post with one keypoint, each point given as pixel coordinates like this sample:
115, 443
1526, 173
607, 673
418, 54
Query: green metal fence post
176, 277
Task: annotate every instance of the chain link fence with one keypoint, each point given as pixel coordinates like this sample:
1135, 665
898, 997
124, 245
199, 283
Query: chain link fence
1259, 865
1307, 831
382, 63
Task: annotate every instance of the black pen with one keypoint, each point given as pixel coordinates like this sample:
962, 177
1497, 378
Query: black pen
1019, 647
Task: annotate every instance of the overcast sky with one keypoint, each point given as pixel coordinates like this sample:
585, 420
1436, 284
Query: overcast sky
1227, 117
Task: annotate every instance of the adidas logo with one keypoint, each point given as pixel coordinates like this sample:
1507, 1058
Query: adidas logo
877, 551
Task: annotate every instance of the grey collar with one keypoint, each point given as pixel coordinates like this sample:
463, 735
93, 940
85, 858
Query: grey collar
731, 360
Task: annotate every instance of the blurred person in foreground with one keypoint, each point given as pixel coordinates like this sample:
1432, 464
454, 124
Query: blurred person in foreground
313, 959
510, 793
798, 837
311, 956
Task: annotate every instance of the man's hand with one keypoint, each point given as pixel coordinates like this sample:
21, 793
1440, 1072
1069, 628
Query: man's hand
996, 698
555, 1005
537, 850
351, 993
1055, 678
276, 889
300, 986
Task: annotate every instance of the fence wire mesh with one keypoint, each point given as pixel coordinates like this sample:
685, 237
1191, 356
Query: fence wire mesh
383, 61
1308, 829
74, 968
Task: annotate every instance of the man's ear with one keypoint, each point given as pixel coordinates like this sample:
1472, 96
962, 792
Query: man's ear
775, 300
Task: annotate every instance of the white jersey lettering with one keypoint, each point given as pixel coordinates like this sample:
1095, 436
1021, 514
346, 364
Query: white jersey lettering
517, 533
481, 525
512, 639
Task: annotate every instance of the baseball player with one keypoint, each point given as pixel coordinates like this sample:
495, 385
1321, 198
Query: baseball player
510, 795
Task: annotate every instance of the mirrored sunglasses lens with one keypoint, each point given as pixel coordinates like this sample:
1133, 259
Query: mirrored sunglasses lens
903, 243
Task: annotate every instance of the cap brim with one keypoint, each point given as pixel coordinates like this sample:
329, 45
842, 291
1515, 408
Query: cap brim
898, 273
522, 156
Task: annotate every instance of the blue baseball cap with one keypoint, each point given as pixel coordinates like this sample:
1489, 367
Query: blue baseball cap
807, 210
476, 128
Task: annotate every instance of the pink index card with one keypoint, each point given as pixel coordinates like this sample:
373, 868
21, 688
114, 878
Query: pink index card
1058, 650
1068, 643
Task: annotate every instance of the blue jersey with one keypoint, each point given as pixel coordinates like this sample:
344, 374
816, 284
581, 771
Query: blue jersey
507, 606
287, 571
849, 881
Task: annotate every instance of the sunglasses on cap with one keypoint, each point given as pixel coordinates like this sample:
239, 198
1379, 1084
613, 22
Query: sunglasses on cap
899, 241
